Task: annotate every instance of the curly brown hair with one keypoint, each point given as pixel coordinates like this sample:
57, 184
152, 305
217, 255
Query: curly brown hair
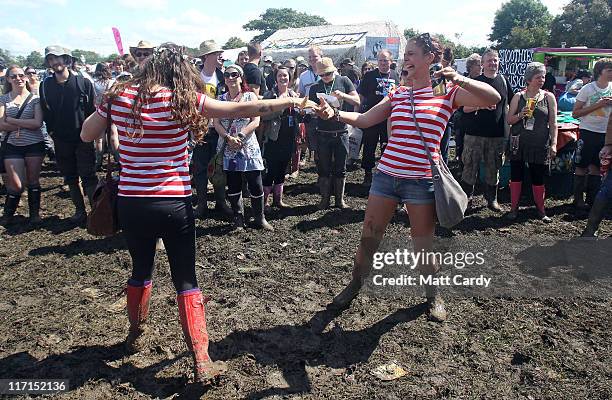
168, 67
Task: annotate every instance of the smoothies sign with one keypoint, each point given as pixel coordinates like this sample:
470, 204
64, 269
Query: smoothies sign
512, 64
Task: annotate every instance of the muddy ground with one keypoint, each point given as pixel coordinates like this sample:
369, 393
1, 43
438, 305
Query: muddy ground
62, 314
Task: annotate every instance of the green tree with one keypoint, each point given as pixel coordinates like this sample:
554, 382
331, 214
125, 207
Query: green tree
91, 57
521, 24
234, 43
279, 18
410, 33
36, 60
584, 23
6, 58
112, 57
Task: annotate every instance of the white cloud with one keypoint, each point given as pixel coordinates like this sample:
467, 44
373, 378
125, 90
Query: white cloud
18, 42
147, 5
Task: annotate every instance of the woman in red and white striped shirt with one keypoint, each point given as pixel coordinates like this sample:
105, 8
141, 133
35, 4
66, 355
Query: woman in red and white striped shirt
404, 173
155, 113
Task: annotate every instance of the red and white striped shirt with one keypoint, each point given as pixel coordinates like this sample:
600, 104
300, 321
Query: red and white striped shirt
155, 164
405, 155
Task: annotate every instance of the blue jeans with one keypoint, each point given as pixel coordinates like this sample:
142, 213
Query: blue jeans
402, 190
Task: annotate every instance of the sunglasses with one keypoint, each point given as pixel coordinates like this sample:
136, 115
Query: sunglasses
326, 74
139, 54
17, 76
425, 40
31, 73
232, 75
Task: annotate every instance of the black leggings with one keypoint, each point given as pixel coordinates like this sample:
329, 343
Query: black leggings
143, 220
275, 172
536, 171
253, 178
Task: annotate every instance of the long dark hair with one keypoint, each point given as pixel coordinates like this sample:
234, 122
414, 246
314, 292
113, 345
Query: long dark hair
103, 72
7, 82
169, 67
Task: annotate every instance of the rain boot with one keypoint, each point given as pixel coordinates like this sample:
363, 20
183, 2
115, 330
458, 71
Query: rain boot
345, 297
267, 190
34, 204
593, 185
80, 215
580, 183
278, 196
237, 210
192, 315
469, 192
201, 211
491, 196
539, 194
220, 203
138, 298
10, 206
339, 193
324, 183
515, 197
595, 216
257, 204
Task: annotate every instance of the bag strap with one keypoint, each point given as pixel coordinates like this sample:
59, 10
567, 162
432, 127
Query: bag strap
418, 128
109, 168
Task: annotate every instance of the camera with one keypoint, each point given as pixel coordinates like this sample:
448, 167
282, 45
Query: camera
438, 85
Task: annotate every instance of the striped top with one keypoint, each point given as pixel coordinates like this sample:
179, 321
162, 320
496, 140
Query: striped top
156, 164
25, 137
405, 155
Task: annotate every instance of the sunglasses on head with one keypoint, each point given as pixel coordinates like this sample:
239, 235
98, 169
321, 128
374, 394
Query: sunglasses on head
425, 40
31, 73
326, 74
231, 75
139, 54
17, 76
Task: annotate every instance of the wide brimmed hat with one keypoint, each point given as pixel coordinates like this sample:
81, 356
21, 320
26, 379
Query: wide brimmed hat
208, 47
325, 66
57, 51
142, 45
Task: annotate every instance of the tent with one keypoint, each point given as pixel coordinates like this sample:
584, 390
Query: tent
359, 42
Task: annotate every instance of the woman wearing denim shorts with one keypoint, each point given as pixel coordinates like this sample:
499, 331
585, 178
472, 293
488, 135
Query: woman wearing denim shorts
403, 173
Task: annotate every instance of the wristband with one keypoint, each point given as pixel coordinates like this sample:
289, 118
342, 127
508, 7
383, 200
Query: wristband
337, 114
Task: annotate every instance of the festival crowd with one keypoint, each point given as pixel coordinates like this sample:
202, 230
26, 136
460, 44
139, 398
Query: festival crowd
175, 123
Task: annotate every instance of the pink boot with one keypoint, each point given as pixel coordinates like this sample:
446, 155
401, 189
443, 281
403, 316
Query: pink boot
138, 298
515, 197
539, 194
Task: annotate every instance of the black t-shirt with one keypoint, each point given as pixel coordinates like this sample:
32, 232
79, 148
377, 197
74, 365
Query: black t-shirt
490, 123
341, 83
254, 76
375, 86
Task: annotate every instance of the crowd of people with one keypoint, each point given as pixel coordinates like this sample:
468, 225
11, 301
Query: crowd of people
177, 123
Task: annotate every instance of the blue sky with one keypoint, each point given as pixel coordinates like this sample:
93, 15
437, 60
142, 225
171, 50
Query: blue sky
87, 25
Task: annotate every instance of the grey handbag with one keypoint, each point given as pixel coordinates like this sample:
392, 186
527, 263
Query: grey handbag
451, 200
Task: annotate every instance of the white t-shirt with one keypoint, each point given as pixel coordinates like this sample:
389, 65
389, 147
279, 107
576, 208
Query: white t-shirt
307, 79
210, 84
597, 121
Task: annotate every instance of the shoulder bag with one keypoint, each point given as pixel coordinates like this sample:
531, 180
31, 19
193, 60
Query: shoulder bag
451, 200
6, 137
103, 220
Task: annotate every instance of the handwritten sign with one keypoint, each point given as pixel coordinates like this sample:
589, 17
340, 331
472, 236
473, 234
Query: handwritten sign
339, 39
512, 64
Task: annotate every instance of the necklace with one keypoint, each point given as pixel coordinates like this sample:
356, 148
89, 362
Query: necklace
330, 88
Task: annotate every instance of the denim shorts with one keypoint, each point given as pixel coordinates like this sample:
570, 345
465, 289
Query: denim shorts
409, 191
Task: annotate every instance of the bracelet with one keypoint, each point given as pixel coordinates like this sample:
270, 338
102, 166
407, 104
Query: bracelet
463, 83
337, 114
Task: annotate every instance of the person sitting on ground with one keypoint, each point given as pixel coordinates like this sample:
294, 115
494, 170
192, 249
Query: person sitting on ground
21, 118
404, 172
533, 138
166, 106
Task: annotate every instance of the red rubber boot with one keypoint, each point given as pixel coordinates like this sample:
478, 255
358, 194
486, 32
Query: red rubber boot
138, 298
193, 321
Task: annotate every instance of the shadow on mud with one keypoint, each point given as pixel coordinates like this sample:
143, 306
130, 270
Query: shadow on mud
86, 246
291, 348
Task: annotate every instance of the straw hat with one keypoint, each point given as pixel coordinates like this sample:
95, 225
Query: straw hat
326, 65
208, 47
142, 45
